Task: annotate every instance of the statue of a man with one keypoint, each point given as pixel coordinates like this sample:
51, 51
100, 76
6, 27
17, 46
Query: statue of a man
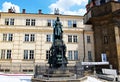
57, 29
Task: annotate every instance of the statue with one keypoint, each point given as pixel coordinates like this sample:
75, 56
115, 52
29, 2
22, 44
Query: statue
57, 58
57, 29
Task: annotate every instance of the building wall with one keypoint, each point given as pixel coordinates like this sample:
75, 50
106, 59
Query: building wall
106, 27
40, 45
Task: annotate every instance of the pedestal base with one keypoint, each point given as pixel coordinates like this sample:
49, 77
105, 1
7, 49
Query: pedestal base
57, 73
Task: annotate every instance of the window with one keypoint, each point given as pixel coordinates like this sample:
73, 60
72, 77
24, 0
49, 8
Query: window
9, 21
8, 54
69, 38
89, 56
70, 57
28, 54
26, 37
105, 39
4, 37
74, 24
30, 22
75, 55
7, 37
5, 54
47, 54
74, 38
10, 37
27, 22
6, 21
69, 23
53, 22
32, 37
2, 54
88, 39
29, 37
49, 38
31, 54
25, 54
48, 22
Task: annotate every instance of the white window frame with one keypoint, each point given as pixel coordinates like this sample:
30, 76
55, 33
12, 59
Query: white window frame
69, 38
47, 54
75, 38
28, 55
29, 37
70, 55
33, 22
30, 22
7, 37
50, 22
72, 38
9, 21
49, 38
72, 23
5, 54
90, 56
88, 39
76, 55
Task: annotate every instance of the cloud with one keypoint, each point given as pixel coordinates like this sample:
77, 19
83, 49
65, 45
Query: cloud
7, 5
65, 7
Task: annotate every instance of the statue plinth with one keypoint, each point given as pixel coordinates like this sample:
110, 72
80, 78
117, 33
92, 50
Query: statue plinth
57, 73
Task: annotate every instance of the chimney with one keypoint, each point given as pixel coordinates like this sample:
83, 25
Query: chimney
39, 11
23, 11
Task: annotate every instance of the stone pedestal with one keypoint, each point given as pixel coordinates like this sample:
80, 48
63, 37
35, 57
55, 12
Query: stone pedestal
57, 73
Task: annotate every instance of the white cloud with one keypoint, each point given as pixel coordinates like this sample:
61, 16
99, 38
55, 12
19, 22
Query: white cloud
7, 5
65, 7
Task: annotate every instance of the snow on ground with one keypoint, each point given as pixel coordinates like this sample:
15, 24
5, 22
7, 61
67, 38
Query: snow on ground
15, 78
9, 79
92, 79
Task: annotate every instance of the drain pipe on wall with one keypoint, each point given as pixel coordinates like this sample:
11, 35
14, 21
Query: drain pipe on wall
84, 45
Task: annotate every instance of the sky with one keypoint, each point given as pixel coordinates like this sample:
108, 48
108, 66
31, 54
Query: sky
66, 7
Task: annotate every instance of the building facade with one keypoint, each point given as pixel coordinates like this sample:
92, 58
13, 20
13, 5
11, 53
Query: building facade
105, 19
25, 40
92, 3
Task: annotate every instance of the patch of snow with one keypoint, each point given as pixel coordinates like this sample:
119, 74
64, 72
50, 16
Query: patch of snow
15, 77
92, 79
9, 79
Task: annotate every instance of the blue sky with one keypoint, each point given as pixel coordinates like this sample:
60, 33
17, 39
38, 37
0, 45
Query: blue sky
68, 7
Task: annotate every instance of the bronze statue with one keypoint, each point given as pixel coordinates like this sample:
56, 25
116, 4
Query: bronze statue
57, 29
57, 58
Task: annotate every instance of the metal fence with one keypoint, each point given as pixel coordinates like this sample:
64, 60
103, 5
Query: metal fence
77, 71
39, 68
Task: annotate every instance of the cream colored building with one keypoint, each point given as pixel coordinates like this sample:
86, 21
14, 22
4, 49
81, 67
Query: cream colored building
25, 40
